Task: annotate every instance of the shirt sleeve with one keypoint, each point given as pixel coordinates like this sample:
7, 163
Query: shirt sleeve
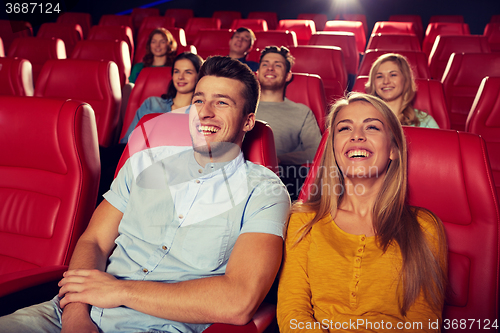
310, 137
426, 120
294, 293
268, 208
119, 193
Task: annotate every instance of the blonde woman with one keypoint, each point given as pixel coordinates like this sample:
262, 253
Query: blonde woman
355, 251
391, 79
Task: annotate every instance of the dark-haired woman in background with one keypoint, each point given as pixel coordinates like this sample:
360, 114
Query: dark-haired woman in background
355, 252
161, 49
391, 79
185, 69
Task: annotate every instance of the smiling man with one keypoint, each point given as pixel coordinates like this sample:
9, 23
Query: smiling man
240, 44
295, 129
184, 237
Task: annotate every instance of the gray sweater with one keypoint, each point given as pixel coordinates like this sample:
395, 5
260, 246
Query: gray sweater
296, 131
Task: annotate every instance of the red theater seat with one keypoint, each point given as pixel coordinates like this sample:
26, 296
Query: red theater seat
194, 25
417, 23
152, 22
484, 119
212, 42
429, 98
394, 42
445, 45
346, 41
139, 14
116, 51
442, 28
328, 64
270, 17
94, 82
16, 77
180, 15
10, 30
37, 51
417, 61
84, 20
49, 174
492, 32
152, 81
70, 34
357, 17
308, 90
356, 27
319, 20
495, 18
449, 174
391, 27
461, 80
111, 32
226, 17
303, 29
252, 24
117, 20
447, 18
276, 37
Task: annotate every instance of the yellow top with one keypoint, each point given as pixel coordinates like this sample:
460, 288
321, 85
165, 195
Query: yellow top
333, 280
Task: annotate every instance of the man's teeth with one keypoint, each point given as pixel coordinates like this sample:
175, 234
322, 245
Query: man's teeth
358, 153
210, 129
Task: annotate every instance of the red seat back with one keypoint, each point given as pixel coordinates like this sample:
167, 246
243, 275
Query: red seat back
252, 24
277, 37
484, 119
429, 98
303, 29
212, 42
442, 28
172, 129
49, 175
116, 51
417, 23
492, 32
112, 32
94, 82
270, 17
449, 174
447, 18
139, 14
16, 77
70, 34
328, 64
84, 20
308, 90
391, 27
319, 20
117, 20
417, 61
346, 41
152, 22
152, 81
37, 51
357, 17
10, 30
394, 42
226, 17
356, 27
461, 80
445, 45
194, 25
180, 15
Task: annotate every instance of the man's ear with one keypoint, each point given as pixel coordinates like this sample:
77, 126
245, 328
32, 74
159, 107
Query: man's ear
249, 122
288, 76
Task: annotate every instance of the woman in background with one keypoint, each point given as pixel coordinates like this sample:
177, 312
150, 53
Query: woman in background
355, 251
161, 49
391, 79
185, 69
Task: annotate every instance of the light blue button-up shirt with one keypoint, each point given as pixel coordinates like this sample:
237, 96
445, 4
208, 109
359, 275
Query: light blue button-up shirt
181, 222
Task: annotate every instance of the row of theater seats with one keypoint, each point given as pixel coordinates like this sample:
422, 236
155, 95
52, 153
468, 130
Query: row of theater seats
49, 176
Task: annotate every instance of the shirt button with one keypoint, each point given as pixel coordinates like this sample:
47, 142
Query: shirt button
164, 247
144, 270
362, 238
181, 216
358, 260
200, 170
360, 250
353, 294
197, 181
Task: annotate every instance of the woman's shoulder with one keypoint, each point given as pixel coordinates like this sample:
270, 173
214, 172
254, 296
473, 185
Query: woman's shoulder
429, 222
426, 120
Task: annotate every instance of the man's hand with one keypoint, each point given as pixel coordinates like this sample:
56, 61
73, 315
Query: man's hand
91, 287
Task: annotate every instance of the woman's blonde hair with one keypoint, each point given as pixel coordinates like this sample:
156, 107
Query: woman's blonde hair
394, 221
407, 114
